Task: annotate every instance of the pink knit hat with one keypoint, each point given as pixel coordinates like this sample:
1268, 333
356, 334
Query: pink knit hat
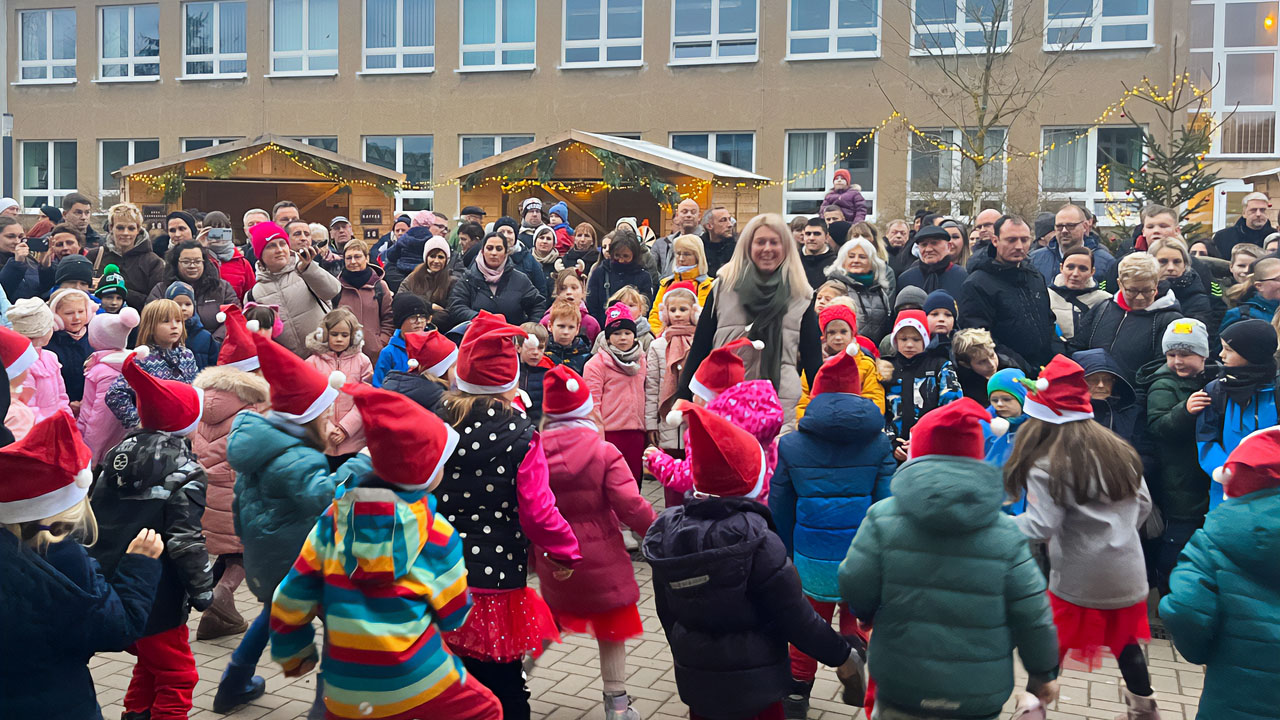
111, 332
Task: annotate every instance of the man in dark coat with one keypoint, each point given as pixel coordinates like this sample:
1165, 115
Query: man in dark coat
934, 270
817, 252
1009, 298
1253, 226
717, 238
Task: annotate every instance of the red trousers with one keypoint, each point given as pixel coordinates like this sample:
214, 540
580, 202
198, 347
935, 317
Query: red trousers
773, 712
805, 668
631, 444
164, 677
469, 701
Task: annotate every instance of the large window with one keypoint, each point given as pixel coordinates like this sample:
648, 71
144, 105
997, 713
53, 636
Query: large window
189, 144
959, 26
48, 46
736, 149
115, 154
411, 155
48, 172
1235, 43
129, 41
1090, 167
1097, 24
498, 34
324, 142
304, 37
714, 31
814, 155
399, 35
603, 32
833, 29
479, 147
943, 178
215, 39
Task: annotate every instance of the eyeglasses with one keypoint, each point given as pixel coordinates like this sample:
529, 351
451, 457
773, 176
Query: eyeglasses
1139, 292
191, 263
1060, 227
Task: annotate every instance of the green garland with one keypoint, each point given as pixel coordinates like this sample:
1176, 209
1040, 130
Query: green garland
617, 171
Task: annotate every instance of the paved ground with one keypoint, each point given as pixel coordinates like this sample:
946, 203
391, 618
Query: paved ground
566, 683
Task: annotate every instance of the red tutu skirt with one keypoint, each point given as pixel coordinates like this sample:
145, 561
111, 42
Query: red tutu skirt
504, 626
615, 625
1083, 632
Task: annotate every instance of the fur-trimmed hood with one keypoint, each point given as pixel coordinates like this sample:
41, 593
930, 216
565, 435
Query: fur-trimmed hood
247, 386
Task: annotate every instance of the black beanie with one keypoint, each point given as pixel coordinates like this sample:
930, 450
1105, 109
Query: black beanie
1254, 339
73, 268
941, 299
185, 217
839, 231
405, 305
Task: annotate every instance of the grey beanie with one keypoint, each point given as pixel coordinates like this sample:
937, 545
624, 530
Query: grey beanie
1186, 334
910, 295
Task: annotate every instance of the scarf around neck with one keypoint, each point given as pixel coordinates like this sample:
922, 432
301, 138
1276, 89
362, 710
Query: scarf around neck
491, 276
625, 361
358, 279
679, 339
224, 250
1242, 382
765, 298
550, 256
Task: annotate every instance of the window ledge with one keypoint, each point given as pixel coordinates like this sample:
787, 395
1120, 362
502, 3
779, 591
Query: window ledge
496, 68
950, 52
211, 76
1095, 47
833, 56
303, 74
744, 60
54, 81
115, 80
398, 71
623, 65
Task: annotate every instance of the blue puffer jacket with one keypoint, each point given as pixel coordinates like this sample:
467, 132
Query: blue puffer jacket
1252, 306
828, 474
1223, 424
282, 486
393, 356
1223, 608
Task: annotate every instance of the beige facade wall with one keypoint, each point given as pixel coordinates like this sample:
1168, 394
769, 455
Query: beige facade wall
768, 97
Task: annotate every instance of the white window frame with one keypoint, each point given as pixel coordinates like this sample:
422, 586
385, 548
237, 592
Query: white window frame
216, 141
49, 63
55, 195
497, 47
309, 140
1096, 199
398, 51
954, 138
602, 41
716, 38
828, 169
711, 144
103, 193
1217, 104
958, 27
306, 53
497, 142
1097, 22
132, 60
833, 36
216, 57
402, 195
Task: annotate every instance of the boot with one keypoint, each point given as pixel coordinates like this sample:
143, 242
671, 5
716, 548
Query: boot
1029, 707
221, 618
317, 711
144, 715
617, 706
1140, 708
238, 686
795, 706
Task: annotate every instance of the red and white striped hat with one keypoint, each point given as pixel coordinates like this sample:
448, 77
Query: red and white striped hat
565, 395
16, 351
298, 392
488, 362
430, 350
1061, 395
238, 350
45, 472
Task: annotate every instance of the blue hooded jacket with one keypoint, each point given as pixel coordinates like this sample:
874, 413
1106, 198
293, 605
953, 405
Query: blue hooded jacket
1223, 424
394, 356
828, 474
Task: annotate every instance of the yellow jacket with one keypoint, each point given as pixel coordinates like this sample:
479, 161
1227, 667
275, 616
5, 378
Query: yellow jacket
871, 387
704, 286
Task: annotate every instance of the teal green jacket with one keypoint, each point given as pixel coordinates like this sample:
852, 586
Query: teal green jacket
282, 486
1223, 608
949, 583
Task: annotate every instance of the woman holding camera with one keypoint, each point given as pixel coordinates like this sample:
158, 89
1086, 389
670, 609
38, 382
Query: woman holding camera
233, 266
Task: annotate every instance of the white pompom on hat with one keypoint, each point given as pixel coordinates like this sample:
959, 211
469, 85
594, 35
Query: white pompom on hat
298, 391
565, 395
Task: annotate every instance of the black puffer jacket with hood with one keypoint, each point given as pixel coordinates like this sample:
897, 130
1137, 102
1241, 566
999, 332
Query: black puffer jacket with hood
1132, 337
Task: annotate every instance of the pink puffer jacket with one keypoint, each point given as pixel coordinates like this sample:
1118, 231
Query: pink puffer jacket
99, 426
45, 376
618, 396
753, 406
356, 366
227, 391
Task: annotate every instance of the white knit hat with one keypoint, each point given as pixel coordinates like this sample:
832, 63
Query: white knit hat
31, 318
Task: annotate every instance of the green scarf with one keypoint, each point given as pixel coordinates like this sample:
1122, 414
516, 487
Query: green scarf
765, 298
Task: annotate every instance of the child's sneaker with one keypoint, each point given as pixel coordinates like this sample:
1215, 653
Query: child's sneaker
617, 706
795, 706
1029, 707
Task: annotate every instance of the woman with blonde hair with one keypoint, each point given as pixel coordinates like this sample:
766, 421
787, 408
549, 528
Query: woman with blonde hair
689, 264
127, 246
1131, 324
762, 293
1177, 275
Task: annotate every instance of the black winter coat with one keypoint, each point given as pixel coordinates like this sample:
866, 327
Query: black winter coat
815, 267
948, 276
531, 383
424, 391
609, 277
515, 298
1194, 300
1132, 337
730, 601
1012, 302
718, 253
152, 480
1229, 237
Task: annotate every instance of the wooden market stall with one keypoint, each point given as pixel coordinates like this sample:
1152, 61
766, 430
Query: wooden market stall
256, 173
602, 178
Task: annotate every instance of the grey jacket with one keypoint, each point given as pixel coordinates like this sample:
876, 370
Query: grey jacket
1095, 555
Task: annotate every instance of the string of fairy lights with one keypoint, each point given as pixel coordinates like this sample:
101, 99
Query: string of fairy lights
516, 178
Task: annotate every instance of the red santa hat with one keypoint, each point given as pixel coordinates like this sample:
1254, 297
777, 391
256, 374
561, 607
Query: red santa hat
163, 405
565, 395
430, 350
16, 351
45, 472
726, 461
298, 392
1061, 395
839, 374
721, 369
408, 445
488, 362
954, 429
911, 319
238, 350
1254, 465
